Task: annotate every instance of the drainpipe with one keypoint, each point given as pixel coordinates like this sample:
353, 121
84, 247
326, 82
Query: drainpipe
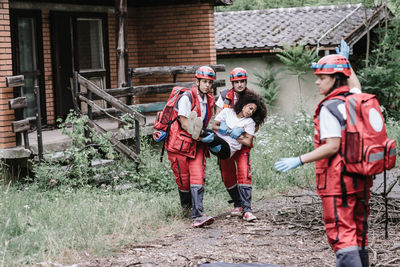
337, 25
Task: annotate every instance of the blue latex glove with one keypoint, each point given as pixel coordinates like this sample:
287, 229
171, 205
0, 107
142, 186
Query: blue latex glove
216, 149
208, 138
236, 132
344, 49
223, 128
285, 164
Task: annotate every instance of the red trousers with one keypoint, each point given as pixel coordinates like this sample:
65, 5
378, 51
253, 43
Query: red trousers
345, 225
188, 171
237, 169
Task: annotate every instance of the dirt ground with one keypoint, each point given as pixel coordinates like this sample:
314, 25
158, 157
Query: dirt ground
288, 232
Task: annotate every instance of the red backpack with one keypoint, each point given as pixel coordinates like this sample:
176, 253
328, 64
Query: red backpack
367, 149
169, 114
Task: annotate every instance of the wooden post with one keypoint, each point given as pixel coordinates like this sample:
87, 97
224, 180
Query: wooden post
39, 124
76, 91
122, 47
129, 100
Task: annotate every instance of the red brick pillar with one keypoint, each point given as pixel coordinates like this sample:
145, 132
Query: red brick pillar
48, 72
7, 137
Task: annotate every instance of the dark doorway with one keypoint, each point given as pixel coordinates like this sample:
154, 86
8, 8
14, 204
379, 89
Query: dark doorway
27, 50
79, 44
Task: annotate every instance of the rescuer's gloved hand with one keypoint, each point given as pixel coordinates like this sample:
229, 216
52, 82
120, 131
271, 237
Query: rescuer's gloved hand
223, 128
285, 164
208, 138
236, 132
344, 49
159, 135
216, 149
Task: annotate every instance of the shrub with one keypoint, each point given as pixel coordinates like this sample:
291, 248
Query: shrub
268, 81
73, 169
281, 137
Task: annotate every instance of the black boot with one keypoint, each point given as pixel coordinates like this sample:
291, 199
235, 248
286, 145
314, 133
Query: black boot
348, 259
197, 193
186, 202
199, 219
234, 193
364, 257
245, 196
186, 199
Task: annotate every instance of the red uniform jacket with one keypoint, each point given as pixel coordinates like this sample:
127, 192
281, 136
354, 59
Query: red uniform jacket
330, 180
180, 141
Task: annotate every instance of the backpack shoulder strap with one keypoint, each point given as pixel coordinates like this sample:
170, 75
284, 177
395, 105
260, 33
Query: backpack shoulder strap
332, 105
223, 93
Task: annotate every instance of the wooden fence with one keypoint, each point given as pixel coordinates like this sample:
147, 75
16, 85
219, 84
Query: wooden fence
113, 95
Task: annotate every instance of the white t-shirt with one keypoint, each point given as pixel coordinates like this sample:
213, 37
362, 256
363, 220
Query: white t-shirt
185, 106
229, 116
220, 101
329, 125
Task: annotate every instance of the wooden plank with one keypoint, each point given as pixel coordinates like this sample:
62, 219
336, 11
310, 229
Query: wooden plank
98, 109
20, 126
19, 102
155, 89
170, 70
111, 100
14, 81
151, 107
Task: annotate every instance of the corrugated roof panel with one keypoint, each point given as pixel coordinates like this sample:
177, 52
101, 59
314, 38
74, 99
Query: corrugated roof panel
294, 26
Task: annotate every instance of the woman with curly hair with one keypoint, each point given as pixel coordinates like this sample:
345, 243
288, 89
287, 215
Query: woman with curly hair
241, 121
233, 129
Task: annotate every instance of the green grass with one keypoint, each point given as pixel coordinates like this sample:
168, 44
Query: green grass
65, 225
38, 226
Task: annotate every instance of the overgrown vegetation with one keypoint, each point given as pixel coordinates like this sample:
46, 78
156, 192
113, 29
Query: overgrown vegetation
382, 73
70, 209
42, 224
297, 60
72, 169
268, 82
84, 218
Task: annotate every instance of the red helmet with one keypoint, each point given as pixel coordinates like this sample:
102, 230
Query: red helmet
205, 72
238, 74
332, 64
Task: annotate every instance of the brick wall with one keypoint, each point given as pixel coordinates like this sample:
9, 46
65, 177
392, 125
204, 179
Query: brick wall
7, 137
170, 36
48, 71
112, 46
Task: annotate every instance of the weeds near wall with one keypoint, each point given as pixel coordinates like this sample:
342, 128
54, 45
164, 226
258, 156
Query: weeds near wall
75, 168
268, 81
297, 60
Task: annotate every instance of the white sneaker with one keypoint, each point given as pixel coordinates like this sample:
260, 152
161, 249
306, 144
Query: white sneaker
249, 217
190, 122
197, 128
237, 211
202, 221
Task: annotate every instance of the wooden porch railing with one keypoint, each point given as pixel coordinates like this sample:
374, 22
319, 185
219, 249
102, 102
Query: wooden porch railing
111, 97
93, 89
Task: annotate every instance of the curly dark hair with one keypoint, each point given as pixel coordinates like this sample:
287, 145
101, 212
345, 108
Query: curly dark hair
252, 97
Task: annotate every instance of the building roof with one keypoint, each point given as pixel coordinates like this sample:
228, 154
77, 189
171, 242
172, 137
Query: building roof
271, 28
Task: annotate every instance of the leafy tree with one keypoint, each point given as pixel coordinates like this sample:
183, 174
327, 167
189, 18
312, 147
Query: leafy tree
382, 75
297, 60
268, 81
